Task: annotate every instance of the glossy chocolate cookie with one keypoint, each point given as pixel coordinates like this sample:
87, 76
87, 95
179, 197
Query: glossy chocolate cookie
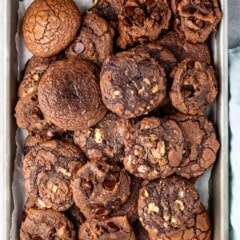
154, 148
112, 228
104, 140
48, 28
29, 116
69, 95
200, 145
142, 21
194, 87
99, 188
94, 42
167, 205
132, 84
46, 224
196, 19
183, 49
48, 169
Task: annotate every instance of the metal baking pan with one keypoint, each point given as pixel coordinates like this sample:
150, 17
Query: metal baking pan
218, 204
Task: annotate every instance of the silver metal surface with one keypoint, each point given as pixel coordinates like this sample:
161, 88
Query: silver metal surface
219, 180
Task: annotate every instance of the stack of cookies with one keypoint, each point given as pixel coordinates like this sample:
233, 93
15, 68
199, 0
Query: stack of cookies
114, 103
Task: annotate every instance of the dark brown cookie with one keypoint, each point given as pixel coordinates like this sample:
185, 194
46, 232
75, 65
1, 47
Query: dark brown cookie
30, 117
142, 21
48, 28
129, 208
94, 42
48, 169
46, 224
75, 216
140, 232
112, 228
200, 147
167, 205
183, 49
132, 84
104, 140
99, 188
196, 19
194, 87
153, 148
69, 95
108, 9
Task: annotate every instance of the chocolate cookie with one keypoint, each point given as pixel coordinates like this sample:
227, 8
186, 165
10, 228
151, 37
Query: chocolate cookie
183, 49
33, 72
194, 87
153, 148
132, 84
46, 224
129, 208
104, 140
48, 169
196, 19
108, 9
69, 95
142, 21
99, 188
94, 42
167, 205
75, 216
29, 116
200, 145
48, 28
112, 228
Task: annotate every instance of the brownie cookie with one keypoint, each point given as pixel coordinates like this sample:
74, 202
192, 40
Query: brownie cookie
196, 19
167, 205
112, 228
75, 216
142, 21
33, 72
132, 84
48, 28
104, 140
108, 9
194, 87
129, 208
153, 148
69, 95
29, 116
46, 224
48, 169
94, 42
183, 49
99, 188
200, 145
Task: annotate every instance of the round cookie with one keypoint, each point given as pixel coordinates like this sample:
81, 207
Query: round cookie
46, 224
112, 228
69, 95
48, 28
194, 87
132, 84
75, 216
104, 140
94, 42
167, 205
99, 188
29, 116
200, 145
48, 169
153, 148
142, 21
196, 19
183, 49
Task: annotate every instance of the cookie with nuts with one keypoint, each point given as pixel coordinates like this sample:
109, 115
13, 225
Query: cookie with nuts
168, 205
48, 169
153, 148
99, 188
